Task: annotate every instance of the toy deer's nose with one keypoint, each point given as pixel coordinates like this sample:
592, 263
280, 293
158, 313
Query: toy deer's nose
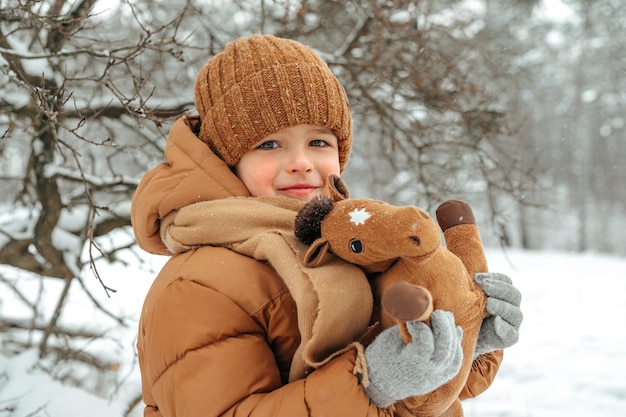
415, 240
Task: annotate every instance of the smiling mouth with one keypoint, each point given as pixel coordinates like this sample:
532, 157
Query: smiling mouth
299, 191
297, 188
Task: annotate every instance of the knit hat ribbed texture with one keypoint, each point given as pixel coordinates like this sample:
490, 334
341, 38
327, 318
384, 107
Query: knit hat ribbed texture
261, 84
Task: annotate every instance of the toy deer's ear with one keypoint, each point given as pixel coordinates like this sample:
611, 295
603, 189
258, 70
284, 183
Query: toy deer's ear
338, 189
316, 252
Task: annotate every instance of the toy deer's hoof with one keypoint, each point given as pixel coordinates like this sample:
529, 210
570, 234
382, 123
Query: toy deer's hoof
454, 212
407, 302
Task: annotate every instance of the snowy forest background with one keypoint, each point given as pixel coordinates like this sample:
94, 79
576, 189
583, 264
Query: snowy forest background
517, 106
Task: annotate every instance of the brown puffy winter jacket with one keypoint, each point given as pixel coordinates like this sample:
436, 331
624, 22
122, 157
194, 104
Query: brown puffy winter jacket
218, 329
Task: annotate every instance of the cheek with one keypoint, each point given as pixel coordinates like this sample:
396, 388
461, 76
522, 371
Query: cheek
326, 160
325, 171
330, 167
259, 179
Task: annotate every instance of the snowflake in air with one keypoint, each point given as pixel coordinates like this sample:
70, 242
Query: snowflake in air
358, 216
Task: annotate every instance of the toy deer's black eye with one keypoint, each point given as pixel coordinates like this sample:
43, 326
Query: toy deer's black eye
356, 246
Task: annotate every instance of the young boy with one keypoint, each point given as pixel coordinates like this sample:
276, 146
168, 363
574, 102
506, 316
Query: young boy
234, 324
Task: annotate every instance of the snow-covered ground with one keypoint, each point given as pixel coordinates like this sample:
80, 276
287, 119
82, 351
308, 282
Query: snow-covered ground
570, 360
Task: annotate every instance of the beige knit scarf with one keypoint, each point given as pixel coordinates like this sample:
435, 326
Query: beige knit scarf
334, 300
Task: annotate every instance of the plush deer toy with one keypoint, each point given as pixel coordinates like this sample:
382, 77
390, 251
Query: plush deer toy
412, 272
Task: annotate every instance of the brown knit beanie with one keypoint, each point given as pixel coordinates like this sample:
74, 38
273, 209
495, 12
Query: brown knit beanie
261, 84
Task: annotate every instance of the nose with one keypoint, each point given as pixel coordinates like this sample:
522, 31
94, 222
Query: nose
298, 161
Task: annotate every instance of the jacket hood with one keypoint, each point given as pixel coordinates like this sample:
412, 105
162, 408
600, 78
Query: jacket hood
191, 173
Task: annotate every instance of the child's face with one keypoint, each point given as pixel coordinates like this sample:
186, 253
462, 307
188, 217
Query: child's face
293, 162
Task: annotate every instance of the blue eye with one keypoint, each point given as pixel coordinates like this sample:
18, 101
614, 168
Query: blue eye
270, 144
318, 143
356, 246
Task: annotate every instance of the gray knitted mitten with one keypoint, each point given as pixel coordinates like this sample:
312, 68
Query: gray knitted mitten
397, 370
501, 329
